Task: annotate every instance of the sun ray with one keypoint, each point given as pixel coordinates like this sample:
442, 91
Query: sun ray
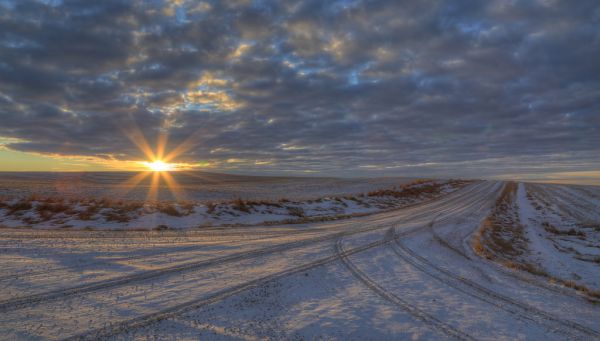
185, 146
173, 186
154, 188
161, 145
131, 183
200, 176
160, 166
159, 161
135, 135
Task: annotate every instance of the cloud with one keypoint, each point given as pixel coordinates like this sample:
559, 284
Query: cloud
338, 87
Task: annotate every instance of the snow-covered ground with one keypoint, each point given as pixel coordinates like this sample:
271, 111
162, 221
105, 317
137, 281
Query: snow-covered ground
195, 186
92, 213
550, 231
563, 228
407, 273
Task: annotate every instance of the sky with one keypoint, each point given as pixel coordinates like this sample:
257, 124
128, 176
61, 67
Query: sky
488, 89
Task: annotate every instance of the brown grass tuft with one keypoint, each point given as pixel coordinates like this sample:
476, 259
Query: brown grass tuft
120, 217
23, 205
296, 211
169, 209
501, 235
210, 207
89, 213
240, 205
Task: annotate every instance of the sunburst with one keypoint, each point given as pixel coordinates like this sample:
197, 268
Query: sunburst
159, 166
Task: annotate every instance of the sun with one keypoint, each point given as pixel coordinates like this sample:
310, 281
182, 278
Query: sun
160, 166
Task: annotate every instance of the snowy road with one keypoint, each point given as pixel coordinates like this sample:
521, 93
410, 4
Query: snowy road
404, 274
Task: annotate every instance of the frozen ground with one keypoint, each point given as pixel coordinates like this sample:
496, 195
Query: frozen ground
409, 273
194, 186
91, 213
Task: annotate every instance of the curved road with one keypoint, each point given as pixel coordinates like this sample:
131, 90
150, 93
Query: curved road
407, 273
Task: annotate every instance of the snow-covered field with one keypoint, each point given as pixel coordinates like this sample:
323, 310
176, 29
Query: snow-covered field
412, 272
93, 213
194, 186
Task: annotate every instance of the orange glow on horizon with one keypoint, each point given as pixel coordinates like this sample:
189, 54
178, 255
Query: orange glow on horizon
159, 162
160, 166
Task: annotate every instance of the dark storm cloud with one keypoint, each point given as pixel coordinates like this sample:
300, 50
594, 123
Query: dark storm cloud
428, 87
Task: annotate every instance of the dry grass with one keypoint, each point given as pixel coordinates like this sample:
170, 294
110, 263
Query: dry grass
264, 203
570, 232
501, 234
187, 207
210, 207
296, 211
501, 238
240, 205
169, 209
415, 189
89, 213
58, 209
47, 210
118, 216
23, 205
594, 294
531, 268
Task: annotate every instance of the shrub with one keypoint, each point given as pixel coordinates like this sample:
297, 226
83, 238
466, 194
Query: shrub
53, 208
169, 210
240, 205
88, 213
210, 207
117, 216
23, 205
296, 211
131, 206
188, 207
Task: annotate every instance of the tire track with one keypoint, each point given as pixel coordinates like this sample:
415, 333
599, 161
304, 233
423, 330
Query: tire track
485, 294
120, 327
22, 302
429, 320
29, 300
219, 231
524, 277
172, 312
139, 256
262, 235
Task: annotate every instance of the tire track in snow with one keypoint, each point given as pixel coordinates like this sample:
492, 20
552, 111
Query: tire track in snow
145, 320
429, 320
520, 275
29, 300
139, 256
210, 233
485, 294
177, 310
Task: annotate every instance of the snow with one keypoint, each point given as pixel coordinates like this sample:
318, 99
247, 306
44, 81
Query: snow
106, 214
193, 186
406, 273
560, 255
